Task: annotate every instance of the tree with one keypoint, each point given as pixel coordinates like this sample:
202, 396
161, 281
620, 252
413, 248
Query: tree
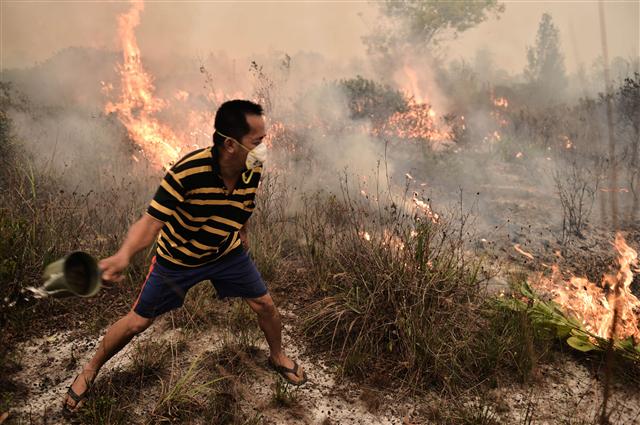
418, 25
627, 100
545, 71
368, 99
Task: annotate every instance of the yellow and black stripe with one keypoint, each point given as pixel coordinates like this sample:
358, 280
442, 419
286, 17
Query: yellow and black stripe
201, 218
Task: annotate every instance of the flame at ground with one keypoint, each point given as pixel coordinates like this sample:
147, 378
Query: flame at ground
500, 105
418, 122
137, 105
594, 304
425, 208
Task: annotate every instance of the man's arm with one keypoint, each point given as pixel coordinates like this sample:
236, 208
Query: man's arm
141, 234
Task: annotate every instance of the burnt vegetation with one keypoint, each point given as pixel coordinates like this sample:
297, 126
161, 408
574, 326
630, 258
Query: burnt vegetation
385, 285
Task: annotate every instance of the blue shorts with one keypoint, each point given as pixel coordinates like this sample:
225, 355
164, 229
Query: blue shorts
164, 289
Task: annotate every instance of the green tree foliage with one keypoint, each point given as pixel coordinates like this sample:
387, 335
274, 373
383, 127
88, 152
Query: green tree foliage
545, 71
628, 102
423, 23
369, 99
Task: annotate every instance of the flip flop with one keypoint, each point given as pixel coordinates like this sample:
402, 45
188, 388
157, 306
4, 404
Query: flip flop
282, 370
78, 398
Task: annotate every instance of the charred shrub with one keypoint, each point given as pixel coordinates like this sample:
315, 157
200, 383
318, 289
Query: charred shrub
577, 182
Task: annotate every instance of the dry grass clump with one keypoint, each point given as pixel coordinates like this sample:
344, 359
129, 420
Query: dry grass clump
150, 359
209, 388
210, 391
401, 302
41, 220
115, 396
112, 400
184, 394
268, 227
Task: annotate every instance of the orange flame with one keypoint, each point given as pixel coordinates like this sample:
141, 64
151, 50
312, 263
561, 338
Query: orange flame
137, 105
500, 106
425, 208
501, 102
416, 123
594, 304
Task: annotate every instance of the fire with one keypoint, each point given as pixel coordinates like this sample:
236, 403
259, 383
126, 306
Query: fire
501, 102
391, 241
500, 105
416, 123
386, 239
277, 131
594, 304
493, 137
137, 106
425, 208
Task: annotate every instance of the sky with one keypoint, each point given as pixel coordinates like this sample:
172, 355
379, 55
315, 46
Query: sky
33, 31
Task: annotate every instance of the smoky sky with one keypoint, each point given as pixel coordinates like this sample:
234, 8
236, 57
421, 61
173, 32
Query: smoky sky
34, 31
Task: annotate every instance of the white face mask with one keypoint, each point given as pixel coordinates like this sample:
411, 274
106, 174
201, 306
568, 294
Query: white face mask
255, 157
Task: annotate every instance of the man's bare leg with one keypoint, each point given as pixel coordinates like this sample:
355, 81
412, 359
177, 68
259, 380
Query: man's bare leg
271, 325
117, 337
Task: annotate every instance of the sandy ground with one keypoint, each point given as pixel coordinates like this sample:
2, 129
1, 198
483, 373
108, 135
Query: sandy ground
47, 371
563, 392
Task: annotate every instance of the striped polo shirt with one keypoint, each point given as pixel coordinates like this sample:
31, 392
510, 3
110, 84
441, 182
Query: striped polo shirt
201, 218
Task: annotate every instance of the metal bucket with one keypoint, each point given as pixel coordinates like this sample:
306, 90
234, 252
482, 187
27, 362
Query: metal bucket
76, 274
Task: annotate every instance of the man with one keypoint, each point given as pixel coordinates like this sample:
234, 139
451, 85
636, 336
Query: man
197, 217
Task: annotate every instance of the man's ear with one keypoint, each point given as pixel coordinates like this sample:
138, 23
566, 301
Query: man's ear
229, 145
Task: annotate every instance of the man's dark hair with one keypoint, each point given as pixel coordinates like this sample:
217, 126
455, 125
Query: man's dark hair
231, 119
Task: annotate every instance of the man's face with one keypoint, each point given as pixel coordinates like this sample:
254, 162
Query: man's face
256, 133
252, 139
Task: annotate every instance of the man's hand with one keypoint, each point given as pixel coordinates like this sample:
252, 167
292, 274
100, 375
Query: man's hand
140, 235
112, 267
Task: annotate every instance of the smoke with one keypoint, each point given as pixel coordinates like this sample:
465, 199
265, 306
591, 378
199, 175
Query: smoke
315, 136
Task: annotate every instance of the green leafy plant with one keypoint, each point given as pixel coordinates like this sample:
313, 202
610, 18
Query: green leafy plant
549, 315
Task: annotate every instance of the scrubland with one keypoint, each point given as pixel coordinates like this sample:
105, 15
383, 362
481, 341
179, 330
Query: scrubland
392, 285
